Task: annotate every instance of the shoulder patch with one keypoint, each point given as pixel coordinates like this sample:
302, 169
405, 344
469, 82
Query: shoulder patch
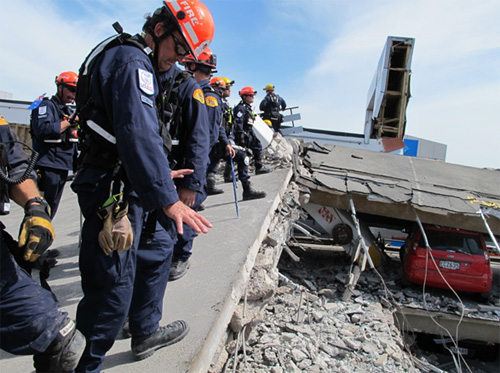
211, 101
199, 96
42, 110
146, 81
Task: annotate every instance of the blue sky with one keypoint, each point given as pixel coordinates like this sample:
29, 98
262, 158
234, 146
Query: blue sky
320, 54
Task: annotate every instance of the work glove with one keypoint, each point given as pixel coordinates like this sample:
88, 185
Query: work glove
116, 233
36, 233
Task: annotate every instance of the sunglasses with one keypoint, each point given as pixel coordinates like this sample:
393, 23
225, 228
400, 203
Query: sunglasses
70, 88
180, 49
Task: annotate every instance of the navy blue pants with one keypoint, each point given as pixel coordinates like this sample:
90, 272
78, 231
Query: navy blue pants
116, 283
184, 244
30, 318
52, 183
153, 267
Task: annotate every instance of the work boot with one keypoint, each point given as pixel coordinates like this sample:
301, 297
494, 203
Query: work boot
211, 189
64, 352
178, 268
144, 347
250, 193
228, 173
262, 170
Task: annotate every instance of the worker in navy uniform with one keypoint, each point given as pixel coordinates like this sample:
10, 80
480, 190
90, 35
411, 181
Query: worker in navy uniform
228, 124
201, 69
245, 143
243, 127
271, 105
31, 322
55, 139
123, 151
195, 138
222, 147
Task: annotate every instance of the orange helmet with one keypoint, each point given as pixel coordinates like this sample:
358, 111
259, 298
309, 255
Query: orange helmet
195, 23
217, 82
247, 91
207, 58
67, 78
189, 58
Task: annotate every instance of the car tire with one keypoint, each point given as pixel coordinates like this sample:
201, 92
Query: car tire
484, 297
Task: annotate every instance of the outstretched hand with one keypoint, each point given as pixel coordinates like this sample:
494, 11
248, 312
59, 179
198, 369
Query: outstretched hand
180, 213
179, 174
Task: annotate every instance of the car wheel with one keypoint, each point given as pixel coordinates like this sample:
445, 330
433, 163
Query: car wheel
484, 297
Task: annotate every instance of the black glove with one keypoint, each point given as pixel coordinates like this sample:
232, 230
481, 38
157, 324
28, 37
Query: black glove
36, 233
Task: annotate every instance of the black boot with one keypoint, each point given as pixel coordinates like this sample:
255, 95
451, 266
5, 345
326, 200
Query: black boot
211, 189
262, 170
143, 347
64, 352
228, 173
250, 193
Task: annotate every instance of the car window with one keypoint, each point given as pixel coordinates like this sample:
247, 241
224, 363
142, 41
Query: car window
451, 241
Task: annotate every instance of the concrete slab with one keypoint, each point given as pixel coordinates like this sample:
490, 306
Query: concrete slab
205, 297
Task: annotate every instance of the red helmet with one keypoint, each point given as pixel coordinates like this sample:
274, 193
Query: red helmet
189, 58
67, 78
195, 23
207, 58
218, 82
247, 91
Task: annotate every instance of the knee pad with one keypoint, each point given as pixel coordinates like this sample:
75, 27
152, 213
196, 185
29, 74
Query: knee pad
64, 352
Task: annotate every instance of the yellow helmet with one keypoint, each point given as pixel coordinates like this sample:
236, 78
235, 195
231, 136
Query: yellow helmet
269, 87
268, 122
228, 81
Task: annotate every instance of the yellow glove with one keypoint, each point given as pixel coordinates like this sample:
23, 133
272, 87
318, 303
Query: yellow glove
116, 233
36, 233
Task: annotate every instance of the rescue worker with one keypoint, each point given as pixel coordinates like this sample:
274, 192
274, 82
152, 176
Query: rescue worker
55, 139
228, 122
271, 105
31, 322
222, 147
200, 69
193, 153
125, 150
244, 139
243, 128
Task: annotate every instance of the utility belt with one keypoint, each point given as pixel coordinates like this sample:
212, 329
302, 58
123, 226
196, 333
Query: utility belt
68, 137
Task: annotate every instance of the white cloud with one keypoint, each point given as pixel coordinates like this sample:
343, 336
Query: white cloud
455, 82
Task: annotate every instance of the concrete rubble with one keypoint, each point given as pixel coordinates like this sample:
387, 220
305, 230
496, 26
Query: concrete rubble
292, 317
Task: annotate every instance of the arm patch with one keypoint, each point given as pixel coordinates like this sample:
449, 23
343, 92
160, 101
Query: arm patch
211, 101
199, 96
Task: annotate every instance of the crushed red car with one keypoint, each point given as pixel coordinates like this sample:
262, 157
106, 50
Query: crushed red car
458, 256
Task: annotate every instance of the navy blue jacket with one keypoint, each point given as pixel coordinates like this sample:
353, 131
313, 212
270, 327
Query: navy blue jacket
196, 145
272, 103
45, 125
213, 101
124, 86
17, 158
243, 117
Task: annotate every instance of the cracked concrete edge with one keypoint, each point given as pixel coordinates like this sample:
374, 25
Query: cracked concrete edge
205, 356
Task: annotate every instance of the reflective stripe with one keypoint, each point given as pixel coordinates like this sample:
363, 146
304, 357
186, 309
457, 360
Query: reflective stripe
96, 51
101, 131
189, 28
175, 5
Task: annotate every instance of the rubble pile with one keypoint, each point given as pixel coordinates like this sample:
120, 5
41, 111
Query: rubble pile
292, 317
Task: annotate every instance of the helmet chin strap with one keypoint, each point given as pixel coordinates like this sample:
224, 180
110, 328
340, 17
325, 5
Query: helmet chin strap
157, 40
